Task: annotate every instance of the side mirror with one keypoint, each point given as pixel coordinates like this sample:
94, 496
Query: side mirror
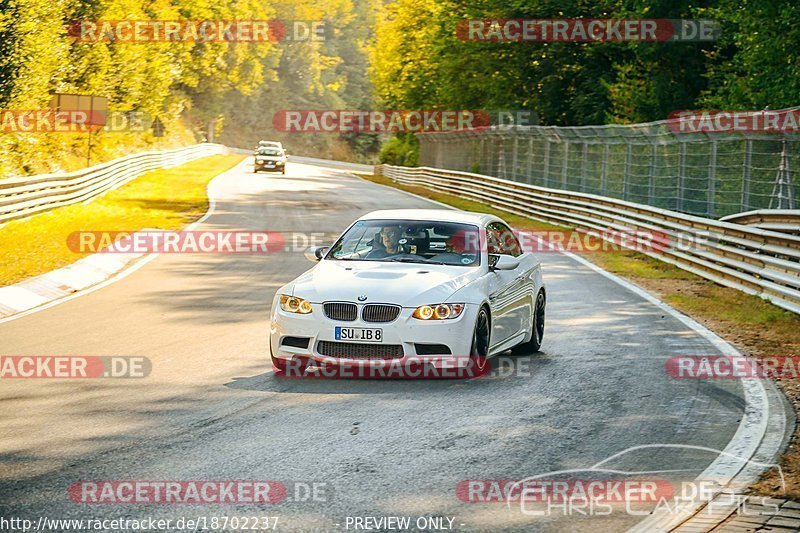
315, 253
503, 262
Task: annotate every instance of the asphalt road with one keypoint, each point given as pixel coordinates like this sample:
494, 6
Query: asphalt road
212, 409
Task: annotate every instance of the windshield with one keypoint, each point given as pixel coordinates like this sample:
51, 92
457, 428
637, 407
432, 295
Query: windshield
269, 151
409, 241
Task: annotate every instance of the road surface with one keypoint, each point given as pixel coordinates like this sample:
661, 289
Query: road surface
212, 409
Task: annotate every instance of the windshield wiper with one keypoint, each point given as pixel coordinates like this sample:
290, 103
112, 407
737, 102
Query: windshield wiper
420, 260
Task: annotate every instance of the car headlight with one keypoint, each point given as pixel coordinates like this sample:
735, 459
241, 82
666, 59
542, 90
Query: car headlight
292, 304
438, 311
259, 160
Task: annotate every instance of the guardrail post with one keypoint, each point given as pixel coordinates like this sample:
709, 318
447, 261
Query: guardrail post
712, 180
748, 154
564, 165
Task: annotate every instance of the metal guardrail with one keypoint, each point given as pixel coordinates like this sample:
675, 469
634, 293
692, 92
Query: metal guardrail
783, 220
756, 261
23, 196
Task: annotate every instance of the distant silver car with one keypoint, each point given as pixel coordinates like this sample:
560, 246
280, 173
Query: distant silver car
270, 159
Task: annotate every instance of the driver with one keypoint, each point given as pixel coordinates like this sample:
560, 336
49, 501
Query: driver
388, 244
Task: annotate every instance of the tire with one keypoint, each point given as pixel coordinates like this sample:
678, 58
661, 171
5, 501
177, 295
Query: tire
481, 335
283, 171
537, 327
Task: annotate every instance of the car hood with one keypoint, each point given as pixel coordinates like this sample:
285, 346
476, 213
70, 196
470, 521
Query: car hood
406, 284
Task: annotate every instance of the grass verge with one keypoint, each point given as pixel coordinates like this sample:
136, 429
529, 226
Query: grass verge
162, 199
754, 326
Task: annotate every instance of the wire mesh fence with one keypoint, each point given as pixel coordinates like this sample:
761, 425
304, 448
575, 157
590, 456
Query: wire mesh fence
707, 174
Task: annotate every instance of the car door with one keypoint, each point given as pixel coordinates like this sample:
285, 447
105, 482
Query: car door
509, 290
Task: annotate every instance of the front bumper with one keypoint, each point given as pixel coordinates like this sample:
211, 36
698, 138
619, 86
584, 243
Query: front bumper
413, 338
276, 165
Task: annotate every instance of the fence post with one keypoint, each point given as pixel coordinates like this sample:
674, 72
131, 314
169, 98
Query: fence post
501, 159
530, 161
564, 165
712, 180
748, 154
782, 190
651, 190
584, 161
547, 162
604, 170
627, 171
514, 158
681, 174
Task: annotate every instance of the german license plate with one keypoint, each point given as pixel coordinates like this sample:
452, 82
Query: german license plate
358, 334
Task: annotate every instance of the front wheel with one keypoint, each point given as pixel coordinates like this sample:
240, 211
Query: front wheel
481, 335
537, 327
479, 351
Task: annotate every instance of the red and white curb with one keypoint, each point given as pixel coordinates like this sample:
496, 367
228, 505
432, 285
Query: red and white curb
43, 289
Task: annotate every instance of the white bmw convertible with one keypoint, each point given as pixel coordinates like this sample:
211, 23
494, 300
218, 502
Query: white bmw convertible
411, 283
